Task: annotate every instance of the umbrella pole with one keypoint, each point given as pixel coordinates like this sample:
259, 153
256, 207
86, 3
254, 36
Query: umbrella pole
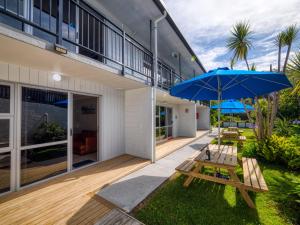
219, 112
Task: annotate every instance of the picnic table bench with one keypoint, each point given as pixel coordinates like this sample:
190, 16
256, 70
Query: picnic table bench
225, 158
235, 129
232, 136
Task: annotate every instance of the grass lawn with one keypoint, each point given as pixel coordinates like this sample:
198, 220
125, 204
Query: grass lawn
205, 202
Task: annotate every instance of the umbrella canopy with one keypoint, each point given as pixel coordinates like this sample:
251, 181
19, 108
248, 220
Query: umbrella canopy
234, 111
230, 84
232, 105
223, 83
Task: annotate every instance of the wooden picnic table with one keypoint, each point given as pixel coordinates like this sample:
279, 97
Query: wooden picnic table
233, 136
225, 158
235, 129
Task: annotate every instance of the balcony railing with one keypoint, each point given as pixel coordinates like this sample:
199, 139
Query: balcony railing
81, 29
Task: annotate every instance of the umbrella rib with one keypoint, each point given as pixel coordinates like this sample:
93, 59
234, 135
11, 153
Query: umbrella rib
248, 89
236, 83
206, 88
232, 80
197, 93
271, 81
206, 83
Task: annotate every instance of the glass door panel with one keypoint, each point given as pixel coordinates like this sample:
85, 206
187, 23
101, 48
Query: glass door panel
6, 135
85, 130
5, 171
44, 123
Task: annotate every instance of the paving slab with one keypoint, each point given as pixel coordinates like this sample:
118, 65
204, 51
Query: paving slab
132, 189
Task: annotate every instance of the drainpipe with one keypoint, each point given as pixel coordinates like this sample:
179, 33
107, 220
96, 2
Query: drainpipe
155, 77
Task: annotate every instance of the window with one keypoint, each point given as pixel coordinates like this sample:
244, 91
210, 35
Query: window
44, 116
4, 133
5, 162
6, 121
164, 123
41, 163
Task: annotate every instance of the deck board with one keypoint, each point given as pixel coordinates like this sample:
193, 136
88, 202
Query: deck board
172, 145
68, 199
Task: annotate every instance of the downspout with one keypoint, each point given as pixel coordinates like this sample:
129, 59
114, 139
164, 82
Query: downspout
155, 80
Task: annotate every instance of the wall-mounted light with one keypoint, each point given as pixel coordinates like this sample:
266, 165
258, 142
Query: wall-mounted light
56, 77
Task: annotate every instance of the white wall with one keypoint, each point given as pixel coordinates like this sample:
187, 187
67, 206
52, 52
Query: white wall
139, 122
187, 120
112, 101
203, 122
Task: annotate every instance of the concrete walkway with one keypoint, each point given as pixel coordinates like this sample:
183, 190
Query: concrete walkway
132, 189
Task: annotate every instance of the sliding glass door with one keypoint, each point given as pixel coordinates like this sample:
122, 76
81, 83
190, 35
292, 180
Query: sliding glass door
6, 136
164, 123
85, 130
44, 133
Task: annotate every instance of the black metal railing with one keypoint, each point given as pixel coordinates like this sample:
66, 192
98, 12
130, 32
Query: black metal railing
81, 29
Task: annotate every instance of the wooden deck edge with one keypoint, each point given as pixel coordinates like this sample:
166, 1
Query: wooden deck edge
121, 176
181, 146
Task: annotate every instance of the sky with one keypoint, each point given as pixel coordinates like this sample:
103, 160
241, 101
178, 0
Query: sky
206, 24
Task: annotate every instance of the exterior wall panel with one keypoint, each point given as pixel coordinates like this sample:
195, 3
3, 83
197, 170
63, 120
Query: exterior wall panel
187, 120
111, 125
139, 122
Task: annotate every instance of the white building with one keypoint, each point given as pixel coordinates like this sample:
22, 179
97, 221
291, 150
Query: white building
76, 85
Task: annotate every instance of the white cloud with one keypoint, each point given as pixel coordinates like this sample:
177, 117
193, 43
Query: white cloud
209, 58
209, 22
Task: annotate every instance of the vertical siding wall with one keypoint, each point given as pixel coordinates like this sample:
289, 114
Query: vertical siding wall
203, 123
139, 122
111, 119
187, 120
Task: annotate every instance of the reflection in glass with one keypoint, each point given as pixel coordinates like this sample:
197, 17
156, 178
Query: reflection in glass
163, 133
4, 172
4, 99
162, 115
41, 163
4, 133
169, 116
44, 116
157, 133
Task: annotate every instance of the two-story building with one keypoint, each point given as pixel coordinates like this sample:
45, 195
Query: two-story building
77, 85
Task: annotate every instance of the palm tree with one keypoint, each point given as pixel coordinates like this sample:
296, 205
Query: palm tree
240, 41
253, 67
232, 63
279, 41
293, 70
290, 34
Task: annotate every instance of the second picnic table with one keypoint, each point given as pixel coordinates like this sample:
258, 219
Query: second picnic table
225, 158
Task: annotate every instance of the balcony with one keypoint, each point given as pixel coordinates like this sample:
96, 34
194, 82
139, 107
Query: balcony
81, 29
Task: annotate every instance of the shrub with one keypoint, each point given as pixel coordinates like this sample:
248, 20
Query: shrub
280, 149
282, 127
249, 149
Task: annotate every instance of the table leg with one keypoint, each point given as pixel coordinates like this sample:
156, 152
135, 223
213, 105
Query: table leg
188, 180
244, 193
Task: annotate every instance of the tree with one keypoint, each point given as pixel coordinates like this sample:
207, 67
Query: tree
240, 42
290, 35
265, 108
279, 42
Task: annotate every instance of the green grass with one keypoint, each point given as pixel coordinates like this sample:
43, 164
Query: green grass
205, 202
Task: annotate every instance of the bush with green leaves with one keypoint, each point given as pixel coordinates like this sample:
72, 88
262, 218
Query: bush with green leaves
280, 149
249, 149
282, 127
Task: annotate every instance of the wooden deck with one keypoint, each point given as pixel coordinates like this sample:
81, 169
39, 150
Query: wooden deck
172, 145
69, 199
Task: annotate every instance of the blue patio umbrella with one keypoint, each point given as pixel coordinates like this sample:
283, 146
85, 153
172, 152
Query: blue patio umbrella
234, 111
223, 83
232, 104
